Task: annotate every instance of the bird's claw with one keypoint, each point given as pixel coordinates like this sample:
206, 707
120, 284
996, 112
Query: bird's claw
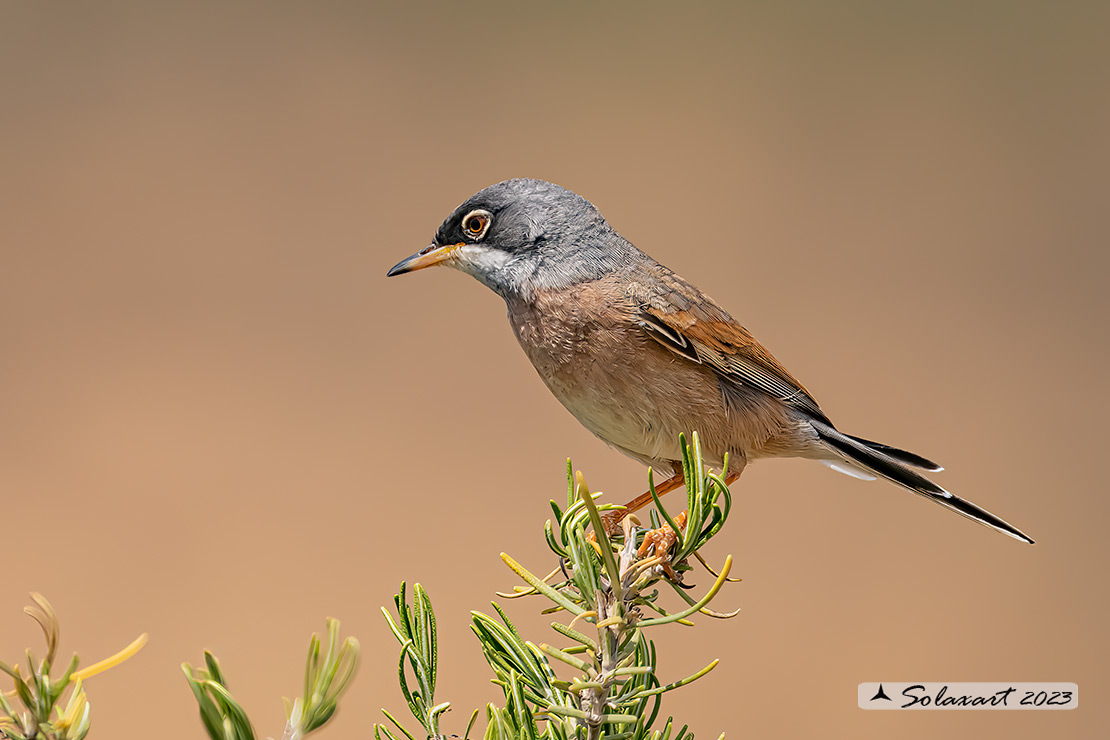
658, 542
611, 522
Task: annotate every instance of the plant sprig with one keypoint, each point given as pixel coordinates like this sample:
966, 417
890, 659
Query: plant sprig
326, 679
32, 710
608, 582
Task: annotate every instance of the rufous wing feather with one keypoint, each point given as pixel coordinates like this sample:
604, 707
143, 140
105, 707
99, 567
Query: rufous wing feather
729, 349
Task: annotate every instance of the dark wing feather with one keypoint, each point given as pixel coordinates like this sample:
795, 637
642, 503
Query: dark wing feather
691, 325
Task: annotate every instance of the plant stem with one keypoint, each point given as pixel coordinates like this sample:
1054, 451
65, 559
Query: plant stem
610, 608
609, 638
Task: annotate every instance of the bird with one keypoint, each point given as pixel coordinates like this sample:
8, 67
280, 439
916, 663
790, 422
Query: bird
639, 355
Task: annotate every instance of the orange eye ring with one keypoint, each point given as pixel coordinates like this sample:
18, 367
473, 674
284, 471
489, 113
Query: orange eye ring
476, 223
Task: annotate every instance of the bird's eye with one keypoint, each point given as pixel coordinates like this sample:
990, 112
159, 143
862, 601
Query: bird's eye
476, 224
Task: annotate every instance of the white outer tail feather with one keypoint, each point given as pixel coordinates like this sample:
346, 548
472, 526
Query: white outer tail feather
846, 468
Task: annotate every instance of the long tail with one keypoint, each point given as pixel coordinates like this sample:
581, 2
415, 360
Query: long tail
894, 465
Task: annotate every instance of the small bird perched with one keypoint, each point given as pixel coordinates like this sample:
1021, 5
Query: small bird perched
639, 355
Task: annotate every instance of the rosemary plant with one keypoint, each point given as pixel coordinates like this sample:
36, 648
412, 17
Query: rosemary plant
606, 583
33, 709
325, 681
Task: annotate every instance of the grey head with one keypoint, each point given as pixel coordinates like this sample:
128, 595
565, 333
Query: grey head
520, 236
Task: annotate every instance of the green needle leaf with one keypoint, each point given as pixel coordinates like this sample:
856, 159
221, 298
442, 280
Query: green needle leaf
542, 587
676, 684
690, 610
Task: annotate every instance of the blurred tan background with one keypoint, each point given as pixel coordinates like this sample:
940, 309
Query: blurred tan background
208, 387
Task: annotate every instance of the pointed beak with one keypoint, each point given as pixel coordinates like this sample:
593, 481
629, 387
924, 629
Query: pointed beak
430, 255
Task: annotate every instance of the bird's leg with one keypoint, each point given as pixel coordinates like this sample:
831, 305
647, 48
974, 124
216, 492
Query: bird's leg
612, 519
659, 541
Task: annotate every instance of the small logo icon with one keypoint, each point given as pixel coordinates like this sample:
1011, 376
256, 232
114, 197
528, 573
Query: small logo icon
880, 694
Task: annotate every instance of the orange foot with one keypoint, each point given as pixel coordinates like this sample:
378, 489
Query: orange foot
657, 542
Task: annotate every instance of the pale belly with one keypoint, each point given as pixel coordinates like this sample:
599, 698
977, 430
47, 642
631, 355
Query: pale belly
634, 419
634, 394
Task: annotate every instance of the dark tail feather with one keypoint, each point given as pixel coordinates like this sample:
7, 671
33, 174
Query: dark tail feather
906, 458
890, 463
